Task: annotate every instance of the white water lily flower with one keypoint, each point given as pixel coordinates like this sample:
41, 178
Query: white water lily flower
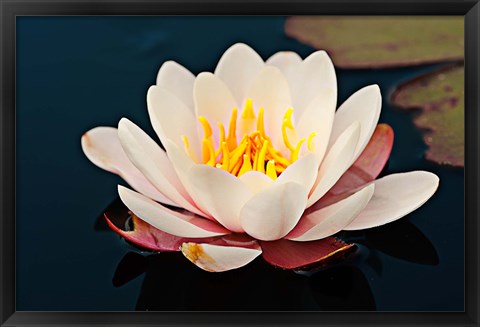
261, 160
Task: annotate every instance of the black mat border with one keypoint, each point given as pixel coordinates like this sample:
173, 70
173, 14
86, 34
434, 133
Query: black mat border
10, 9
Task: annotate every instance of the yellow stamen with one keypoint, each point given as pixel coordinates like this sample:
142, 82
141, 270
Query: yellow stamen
255, 151
225, 156
287, 122
271, 169
276, 155
246, 165
221, 128
247, 121
248, 112
232, 130
207, 129
255, 160
295, 153
279, 169
248, 151
237, 154
208, 153
237, 167
260, 166
310, 144
260, 122
222, 138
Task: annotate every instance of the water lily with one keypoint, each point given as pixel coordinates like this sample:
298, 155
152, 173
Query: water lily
261, 161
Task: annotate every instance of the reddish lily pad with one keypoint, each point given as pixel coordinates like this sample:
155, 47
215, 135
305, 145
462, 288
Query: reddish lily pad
150, 238
440, 98
295, 255
378, 42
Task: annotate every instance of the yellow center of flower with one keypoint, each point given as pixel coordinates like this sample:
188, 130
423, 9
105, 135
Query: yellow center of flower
255, 150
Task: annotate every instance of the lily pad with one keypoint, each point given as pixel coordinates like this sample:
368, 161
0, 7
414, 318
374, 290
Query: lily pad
378, 42
440, 98
144, 235
299, 255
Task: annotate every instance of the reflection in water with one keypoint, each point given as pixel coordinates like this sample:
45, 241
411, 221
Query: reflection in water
402, 240
172, 283
342, 288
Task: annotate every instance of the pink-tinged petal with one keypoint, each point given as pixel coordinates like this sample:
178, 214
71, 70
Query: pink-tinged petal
178, 80
332, 219
148, 237
171, 119
102, 147
237, 68
256, 181
153, 162
270, 91
218, 258
287, 61
313, 77
303, 171
273, 212
293, 255
214, 101
395, 196
336, 162
221, 193
363, 106
369, 164
179, 224
318, 117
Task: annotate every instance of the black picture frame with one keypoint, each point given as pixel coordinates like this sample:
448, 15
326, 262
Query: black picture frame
10, 9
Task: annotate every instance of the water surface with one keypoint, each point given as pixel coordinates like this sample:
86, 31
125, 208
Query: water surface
75, 73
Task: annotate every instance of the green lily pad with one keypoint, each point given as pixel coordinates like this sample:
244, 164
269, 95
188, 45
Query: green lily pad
440, 98
378, 42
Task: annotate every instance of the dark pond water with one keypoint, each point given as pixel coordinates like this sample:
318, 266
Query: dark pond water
75, 73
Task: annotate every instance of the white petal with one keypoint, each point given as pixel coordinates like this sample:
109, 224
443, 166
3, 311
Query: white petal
336, 162
318, 117
287, 61
272, 213
171, 118
270, 90
102, 146
169, 221
303, 171
395, 196
237, 68
332, 219
178, 80
217, 258
222, 194
363, 106
182, 165
214, 101
256, 181
314, 76
153, 162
